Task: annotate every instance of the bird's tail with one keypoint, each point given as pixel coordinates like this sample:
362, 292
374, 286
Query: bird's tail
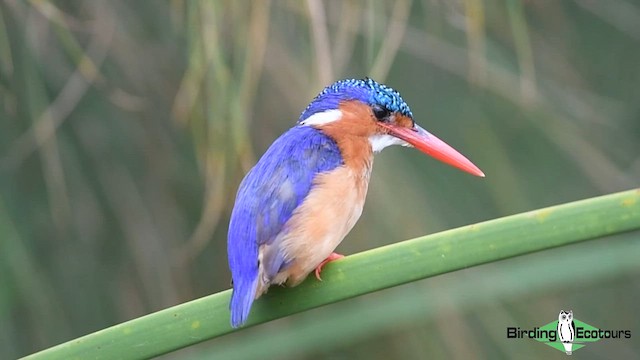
244, 292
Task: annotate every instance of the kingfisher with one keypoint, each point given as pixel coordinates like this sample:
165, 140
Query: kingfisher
296, 205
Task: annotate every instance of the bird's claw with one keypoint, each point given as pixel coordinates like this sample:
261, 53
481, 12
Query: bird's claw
332, 257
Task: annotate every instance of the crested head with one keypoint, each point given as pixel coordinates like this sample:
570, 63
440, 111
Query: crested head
367, 91
364, 117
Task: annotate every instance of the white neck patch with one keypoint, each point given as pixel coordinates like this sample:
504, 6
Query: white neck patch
379, 142
322, 118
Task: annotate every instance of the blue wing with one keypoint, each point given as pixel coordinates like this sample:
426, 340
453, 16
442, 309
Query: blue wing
266, 199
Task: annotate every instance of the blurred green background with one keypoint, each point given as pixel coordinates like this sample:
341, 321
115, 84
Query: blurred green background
127, 126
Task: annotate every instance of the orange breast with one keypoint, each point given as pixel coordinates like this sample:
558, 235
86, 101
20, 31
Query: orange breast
322, 221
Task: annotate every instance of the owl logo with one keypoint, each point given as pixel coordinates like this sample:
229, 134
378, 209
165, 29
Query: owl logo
566, 330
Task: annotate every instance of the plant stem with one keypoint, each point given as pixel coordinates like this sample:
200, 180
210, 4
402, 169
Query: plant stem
362, 273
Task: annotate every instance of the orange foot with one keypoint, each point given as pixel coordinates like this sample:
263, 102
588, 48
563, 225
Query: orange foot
332, 257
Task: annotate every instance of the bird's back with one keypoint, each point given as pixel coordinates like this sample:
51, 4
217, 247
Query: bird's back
266, 200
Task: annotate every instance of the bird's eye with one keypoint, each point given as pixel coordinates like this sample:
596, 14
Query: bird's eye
380, 112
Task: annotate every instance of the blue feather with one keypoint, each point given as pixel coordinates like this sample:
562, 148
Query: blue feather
266, 199
366, 90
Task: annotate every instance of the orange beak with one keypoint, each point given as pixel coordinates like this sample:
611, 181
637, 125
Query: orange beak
429, 144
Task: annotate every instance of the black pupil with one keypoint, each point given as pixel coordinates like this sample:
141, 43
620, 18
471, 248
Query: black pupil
381, 113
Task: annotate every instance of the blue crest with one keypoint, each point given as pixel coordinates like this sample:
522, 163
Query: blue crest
366, 90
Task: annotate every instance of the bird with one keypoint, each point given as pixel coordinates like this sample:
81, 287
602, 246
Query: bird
566, 330
307, 191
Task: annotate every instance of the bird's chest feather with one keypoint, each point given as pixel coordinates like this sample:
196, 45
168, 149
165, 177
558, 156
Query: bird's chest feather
321, 222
